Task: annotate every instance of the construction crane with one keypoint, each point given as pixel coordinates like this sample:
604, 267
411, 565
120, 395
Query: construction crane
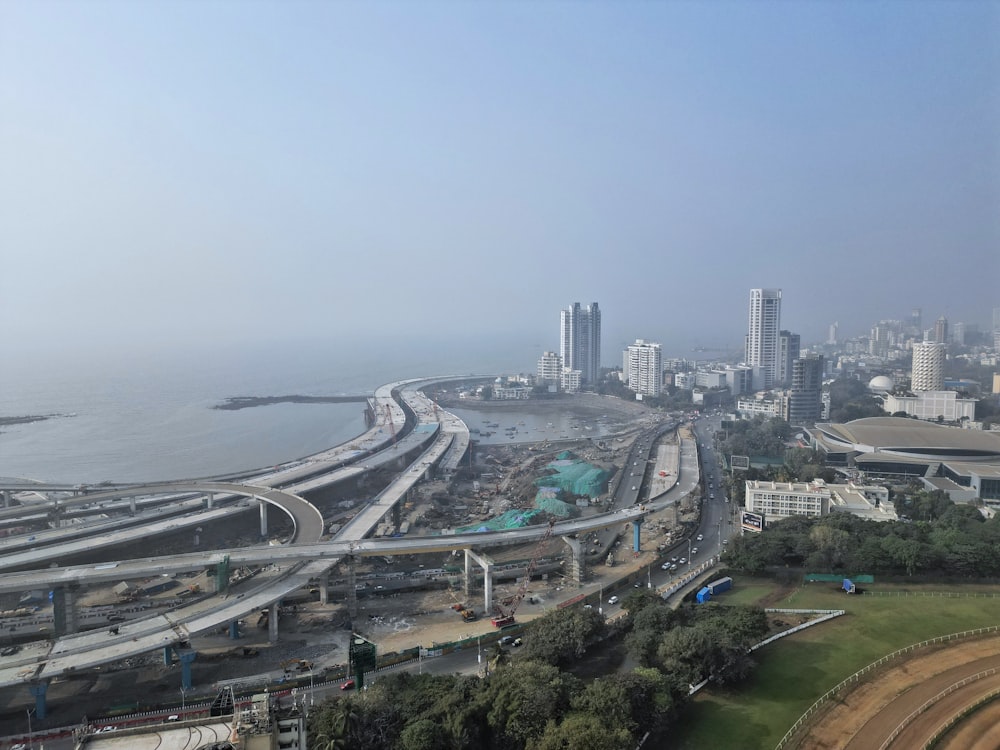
504, 612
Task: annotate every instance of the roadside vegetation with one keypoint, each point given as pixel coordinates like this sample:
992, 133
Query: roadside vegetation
939, 540
528, 701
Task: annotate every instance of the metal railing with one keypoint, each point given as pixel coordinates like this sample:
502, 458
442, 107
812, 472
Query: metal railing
856, 677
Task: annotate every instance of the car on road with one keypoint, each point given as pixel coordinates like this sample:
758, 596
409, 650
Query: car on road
694, 551
673, 559
682, 560
700, 537
349, 685
613, 600
633, 488
665, 566
518, 642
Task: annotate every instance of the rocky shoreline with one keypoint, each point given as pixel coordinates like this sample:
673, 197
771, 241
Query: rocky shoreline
234, 403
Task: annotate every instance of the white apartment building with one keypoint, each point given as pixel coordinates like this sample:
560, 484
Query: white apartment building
642, 366
748, 408
549, 370
570, 380
762, 345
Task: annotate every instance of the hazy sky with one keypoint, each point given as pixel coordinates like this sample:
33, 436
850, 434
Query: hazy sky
261, 170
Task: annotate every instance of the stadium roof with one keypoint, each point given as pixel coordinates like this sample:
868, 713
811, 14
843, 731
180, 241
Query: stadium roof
909, 437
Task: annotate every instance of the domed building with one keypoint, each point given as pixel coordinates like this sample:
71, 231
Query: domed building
881, 384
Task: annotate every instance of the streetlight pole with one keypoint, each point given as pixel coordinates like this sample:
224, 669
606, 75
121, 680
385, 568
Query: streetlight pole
311, 699
183, 692
30, 743
689, 553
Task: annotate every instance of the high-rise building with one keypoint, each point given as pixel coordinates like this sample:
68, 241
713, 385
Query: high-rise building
762, 336
789, 348
805, 404
941, 330
916, 320
928, 366
642, 365
831, 338
549, 369
580, 340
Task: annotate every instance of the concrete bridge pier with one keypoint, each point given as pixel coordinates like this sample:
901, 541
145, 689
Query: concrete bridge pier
131, 505
397, 514
487, 565
324, 589
234, 630
636, 543
186, 657
6, 498
210, 497
352, 587
168, 655
38, 689
272, 623
263, 519
577, 564
64, 614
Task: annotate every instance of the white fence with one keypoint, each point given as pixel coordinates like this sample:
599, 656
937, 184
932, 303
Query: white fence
856, 677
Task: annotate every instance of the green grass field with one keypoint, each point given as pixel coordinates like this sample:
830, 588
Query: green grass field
794, 672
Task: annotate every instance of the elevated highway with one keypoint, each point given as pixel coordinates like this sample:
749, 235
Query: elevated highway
292, 566
83, 650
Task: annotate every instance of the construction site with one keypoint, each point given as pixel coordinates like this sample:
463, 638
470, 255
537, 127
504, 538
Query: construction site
409, 601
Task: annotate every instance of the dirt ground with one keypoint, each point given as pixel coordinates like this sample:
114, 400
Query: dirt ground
863, 718
980, 731
395, 621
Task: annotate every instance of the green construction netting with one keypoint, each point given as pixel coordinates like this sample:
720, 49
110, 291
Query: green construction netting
575, 477
512, 519
547, 499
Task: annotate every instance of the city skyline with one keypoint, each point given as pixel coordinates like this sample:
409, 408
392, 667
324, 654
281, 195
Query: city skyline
217, 174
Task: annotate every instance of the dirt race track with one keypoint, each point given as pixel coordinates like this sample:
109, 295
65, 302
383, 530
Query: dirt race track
865, 717
981, 731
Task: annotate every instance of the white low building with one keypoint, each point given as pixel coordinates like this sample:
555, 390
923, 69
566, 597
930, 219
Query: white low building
776, 500
930, 405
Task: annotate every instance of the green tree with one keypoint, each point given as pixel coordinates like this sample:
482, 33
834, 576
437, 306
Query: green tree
563, 635
522, 699
424, 734
580, 731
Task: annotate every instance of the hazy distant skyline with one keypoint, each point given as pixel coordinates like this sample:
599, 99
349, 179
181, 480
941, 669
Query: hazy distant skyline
227, 172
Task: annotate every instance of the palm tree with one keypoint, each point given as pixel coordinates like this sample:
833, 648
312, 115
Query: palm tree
343, 725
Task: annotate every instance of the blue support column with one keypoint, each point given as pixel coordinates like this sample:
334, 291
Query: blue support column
636, 525
186, 657
168, 655
38, 690
234, 629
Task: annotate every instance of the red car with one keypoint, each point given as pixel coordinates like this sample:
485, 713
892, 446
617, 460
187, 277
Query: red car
349, 685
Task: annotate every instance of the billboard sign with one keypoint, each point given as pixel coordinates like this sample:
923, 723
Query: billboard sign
739, 463
752, 521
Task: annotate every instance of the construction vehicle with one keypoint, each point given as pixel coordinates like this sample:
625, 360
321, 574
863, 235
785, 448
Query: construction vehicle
504, 612
296, 665
468, 615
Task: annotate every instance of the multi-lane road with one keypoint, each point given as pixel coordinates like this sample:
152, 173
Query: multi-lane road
295, 565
